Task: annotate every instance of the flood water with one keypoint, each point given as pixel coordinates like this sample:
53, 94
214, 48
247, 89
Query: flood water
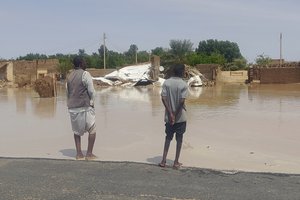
230, 127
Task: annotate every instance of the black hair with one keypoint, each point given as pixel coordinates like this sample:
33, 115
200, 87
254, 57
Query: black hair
78, 61
178, 70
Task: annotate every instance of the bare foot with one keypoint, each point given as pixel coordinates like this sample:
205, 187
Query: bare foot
177, 165
162, 164
79, 156
90, 157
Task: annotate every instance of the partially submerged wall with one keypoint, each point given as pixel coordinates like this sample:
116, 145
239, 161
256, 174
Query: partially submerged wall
287, 73
24, 72
209, 71
6, 71
280, 75
3, 72
232, 76
27, 72
10, 72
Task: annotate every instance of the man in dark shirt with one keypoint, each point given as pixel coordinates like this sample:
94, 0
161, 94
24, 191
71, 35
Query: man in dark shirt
81, 94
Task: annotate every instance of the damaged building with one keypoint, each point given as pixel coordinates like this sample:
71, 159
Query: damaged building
21, 72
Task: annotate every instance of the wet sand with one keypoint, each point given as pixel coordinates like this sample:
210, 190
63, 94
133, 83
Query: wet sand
230, 127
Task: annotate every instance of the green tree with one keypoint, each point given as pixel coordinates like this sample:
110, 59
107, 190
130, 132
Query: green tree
81, 52
263, 60
166, 58
158, 51
101, 51
88, 58
65, 64
32, 56
230, 50
115, 59
131, 53
237, 64
95, 60
143, 56
180, 49
132, 50
195, 58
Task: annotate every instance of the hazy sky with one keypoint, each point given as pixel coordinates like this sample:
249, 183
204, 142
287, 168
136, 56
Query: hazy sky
64, 26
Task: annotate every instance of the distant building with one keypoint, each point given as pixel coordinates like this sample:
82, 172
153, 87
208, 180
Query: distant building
276, 61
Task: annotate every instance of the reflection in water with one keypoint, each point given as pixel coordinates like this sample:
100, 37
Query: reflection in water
6, 94
45, 107
195, 92
219, 95
26, 100
279, 97
208, 100
21, 100
139, 94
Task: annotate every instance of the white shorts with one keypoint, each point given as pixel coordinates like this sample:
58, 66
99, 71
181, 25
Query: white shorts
83, 121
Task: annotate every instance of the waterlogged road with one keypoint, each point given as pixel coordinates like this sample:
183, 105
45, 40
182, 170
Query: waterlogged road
230, 127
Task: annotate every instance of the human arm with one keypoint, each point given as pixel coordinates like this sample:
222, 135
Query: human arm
180, 107
166, 102
183, 95
88, 82
168, 109
67, 90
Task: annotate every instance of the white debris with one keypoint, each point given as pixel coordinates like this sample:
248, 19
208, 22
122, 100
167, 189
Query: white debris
195, 81
136, 75
130, 73
104, 80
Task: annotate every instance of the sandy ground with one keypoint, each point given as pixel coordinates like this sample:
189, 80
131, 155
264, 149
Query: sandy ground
229, 129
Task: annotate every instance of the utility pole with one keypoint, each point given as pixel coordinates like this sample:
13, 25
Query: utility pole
280, 50
104, 64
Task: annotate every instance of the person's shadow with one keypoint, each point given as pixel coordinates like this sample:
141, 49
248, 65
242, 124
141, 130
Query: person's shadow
70, 152
157, 159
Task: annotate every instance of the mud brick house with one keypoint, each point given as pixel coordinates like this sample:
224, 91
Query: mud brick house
22, 72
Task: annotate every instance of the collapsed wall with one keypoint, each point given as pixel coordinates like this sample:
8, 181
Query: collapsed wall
27, 72
209, 71
6, 73
3, 72
45, 87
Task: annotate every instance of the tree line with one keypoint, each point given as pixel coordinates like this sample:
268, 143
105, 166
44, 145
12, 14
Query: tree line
224, 53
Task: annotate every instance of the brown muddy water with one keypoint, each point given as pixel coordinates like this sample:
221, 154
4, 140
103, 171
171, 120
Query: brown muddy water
230, 127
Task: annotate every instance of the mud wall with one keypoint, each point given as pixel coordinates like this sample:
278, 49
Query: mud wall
277, 65
208, 70
10, 72
232, 76
280, 75
25, 72
3, 72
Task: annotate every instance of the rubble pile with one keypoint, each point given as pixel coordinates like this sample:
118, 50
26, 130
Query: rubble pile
127, 76
44, 87
192, 76
140, 75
